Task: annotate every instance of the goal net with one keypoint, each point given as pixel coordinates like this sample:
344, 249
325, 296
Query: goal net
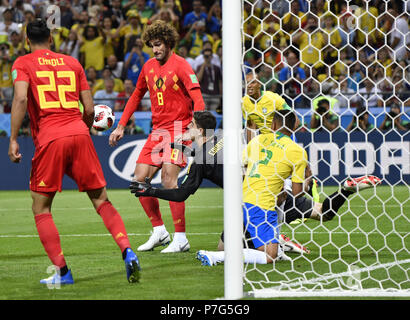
354, 55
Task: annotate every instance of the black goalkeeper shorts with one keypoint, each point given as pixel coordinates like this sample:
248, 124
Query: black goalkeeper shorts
247, 242
297, 208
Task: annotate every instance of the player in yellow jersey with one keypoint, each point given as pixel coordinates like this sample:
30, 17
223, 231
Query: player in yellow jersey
258, 107
271, 158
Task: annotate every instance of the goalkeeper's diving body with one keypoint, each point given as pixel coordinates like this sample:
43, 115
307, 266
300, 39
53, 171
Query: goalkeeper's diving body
208, 165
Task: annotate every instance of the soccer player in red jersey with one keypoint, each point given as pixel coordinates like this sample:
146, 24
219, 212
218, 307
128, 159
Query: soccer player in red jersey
49, 86
174, 93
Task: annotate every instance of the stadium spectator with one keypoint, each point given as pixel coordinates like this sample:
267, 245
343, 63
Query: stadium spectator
92, 78
365, 23
92, 48
132, 27
199, 60
134, 60
330, 52
6, 82
294, 19
107, 74
399, 39
346, 97
67, 14
81, 22
369, 95
195, 15
214, 19
115, 12
269, 32
144, 11
78, 7
292, 77
273, 56
183, 52
311, 41
393, 120
360, 121
106, 96
7, 26
166, 14
346, 31
210, 79
18, 11
115, 66
323, 118
384, 60
16, 46
95, 13
268, 78
71, 45
356, 75
124, 95
196, 37
112, 42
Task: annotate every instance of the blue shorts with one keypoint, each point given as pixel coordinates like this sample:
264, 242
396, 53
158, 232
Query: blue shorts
261, 224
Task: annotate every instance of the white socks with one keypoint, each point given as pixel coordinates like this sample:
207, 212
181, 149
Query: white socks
180, 237
254, 256
249, 256
160, 229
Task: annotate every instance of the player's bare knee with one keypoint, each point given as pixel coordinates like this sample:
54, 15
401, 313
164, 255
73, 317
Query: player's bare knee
98, 197
41, 202
169, 181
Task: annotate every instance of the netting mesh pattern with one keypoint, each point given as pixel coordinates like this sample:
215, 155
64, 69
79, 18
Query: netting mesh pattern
343, 68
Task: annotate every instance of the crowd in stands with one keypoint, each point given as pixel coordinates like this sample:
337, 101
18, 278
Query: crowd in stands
357, 54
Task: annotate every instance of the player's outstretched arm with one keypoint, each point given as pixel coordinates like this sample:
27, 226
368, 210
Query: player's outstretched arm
188, 187
18, 111
86, 99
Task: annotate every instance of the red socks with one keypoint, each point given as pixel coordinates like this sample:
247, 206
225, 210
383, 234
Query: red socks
178, 215
151, 208
114, 224
50, 238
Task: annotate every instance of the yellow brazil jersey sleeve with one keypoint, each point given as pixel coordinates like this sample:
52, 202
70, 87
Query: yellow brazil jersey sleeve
298, 159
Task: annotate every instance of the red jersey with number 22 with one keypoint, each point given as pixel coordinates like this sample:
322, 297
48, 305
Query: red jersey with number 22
168, 87
55, 82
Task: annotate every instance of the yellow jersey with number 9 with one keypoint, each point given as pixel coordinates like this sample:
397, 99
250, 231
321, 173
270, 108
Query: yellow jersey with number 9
271, 158
261, 112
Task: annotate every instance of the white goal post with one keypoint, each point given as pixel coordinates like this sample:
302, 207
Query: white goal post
232, 126
353, 257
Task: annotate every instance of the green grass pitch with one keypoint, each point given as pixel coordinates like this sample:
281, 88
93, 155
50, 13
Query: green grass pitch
378, 228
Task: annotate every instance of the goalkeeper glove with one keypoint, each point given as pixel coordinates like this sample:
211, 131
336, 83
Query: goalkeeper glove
141, 189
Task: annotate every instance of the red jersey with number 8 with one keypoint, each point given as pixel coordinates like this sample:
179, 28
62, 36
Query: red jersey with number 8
168, 87
53, 96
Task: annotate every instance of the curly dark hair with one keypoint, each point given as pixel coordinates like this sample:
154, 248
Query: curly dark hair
160, 30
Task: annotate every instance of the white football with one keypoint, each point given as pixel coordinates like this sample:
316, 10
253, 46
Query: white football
104, 118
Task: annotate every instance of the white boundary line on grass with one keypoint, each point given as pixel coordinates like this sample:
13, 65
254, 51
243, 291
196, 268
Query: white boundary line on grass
96, 235
188, 234
28, 208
